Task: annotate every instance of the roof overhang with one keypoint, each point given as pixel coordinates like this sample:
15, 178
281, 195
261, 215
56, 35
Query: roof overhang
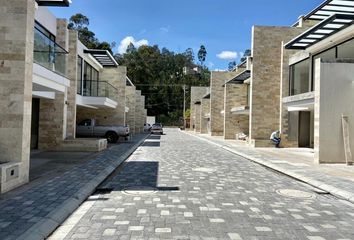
240, 78
54, 3
242, 110
129, 82
321, 31
104, 57
330, 7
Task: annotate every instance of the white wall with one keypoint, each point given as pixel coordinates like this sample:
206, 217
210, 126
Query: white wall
334, 96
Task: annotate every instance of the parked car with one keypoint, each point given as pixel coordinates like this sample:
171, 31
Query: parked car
157, 128
147, 127
90, 128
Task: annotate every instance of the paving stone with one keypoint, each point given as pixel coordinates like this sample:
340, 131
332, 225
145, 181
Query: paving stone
231, 198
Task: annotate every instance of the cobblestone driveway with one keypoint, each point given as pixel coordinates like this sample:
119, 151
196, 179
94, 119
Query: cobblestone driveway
180, 187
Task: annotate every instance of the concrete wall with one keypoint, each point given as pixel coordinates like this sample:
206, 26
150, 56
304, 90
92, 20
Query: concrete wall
235, 96
217, 80
196, 95
16, 67
130, 103
267, 45
331, 79
205, 122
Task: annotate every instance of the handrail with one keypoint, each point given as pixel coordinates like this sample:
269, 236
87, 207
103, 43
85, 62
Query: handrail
56, 44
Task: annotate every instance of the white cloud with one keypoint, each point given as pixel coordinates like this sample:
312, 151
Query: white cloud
122, 48
165, 29
227, 55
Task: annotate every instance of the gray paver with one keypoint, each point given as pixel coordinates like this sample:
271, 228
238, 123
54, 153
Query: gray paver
205, 192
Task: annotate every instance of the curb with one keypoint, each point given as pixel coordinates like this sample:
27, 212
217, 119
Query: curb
335, 191
48, 224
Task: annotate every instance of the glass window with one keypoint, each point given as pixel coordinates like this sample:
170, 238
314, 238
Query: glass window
346, 50
79, 75
300, 78
86, 123
329, 54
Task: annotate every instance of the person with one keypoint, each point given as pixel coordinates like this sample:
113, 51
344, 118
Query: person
275, 137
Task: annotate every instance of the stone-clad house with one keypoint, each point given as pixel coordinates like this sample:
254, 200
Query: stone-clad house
48, 81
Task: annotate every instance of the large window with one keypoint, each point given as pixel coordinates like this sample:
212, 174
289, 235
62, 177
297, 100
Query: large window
79, 75
346, 50
90, 83
300, 77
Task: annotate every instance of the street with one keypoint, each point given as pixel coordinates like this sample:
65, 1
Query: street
177, 186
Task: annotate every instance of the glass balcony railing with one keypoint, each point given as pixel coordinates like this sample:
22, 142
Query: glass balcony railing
93, 88
49, 54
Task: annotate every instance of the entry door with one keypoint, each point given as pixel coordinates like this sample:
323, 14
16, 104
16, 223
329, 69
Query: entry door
35, 123
305, 129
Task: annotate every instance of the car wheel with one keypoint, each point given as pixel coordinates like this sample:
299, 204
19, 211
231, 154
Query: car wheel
112, 137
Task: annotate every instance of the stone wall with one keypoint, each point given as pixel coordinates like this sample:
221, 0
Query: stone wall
266, 69
52, 122
205, 121
217, 80
196, 95
16, 73
72, 90
138, 112
235, 96
130, 103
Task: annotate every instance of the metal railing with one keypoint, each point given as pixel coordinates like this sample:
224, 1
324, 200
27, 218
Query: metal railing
49, 54
94, 88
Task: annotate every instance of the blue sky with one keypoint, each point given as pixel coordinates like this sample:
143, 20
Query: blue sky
221, 25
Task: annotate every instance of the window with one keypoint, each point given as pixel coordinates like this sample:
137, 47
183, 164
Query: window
346, 50
85, 123
300, 78
329, 54
90, 83
79, 75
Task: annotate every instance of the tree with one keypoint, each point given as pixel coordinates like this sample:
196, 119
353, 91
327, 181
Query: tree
131, 48
232, 65
189, 54
246, 54
202, 55
80, 23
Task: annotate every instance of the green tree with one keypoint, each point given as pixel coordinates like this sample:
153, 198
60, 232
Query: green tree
246, 54
232, 65
202, 55
131, 48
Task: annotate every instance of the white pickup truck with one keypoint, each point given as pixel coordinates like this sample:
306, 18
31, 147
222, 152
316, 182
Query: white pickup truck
90, 128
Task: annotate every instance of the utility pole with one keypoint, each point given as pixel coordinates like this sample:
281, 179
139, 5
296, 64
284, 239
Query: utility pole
184, 106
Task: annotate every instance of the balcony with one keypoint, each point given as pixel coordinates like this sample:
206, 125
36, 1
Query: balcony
96, 94
50, 65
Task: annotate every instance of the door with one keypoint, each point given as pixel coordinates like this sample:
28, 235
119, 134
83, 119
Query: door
305, 129
35, 123
84, 129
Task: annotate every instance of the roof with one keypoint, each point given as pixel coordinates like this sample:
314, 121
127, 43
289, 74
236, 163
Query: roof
330, 7
129, 82
240, 78
54, 3
321, 31
104, 57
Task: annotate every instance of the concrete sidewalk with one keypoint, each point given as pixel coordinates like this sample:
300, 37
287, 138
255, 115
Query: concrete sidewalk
297, 163
38, 210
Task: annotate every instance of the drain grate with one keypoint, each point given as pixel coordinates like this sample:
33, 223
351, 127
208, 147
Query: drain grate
292, 193
139, 190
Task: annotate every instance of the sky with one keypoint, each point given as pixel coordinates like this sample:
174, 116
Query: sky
222, 26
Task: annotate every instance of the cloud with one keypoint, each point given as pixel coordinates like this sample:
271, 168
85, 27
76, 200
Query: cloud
122, 48
165, 29
227, 55
211, 64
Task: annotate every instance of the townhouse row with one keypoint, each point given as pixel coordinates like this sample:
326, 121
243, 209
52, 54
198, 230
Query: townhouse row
299, 80
49, 83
